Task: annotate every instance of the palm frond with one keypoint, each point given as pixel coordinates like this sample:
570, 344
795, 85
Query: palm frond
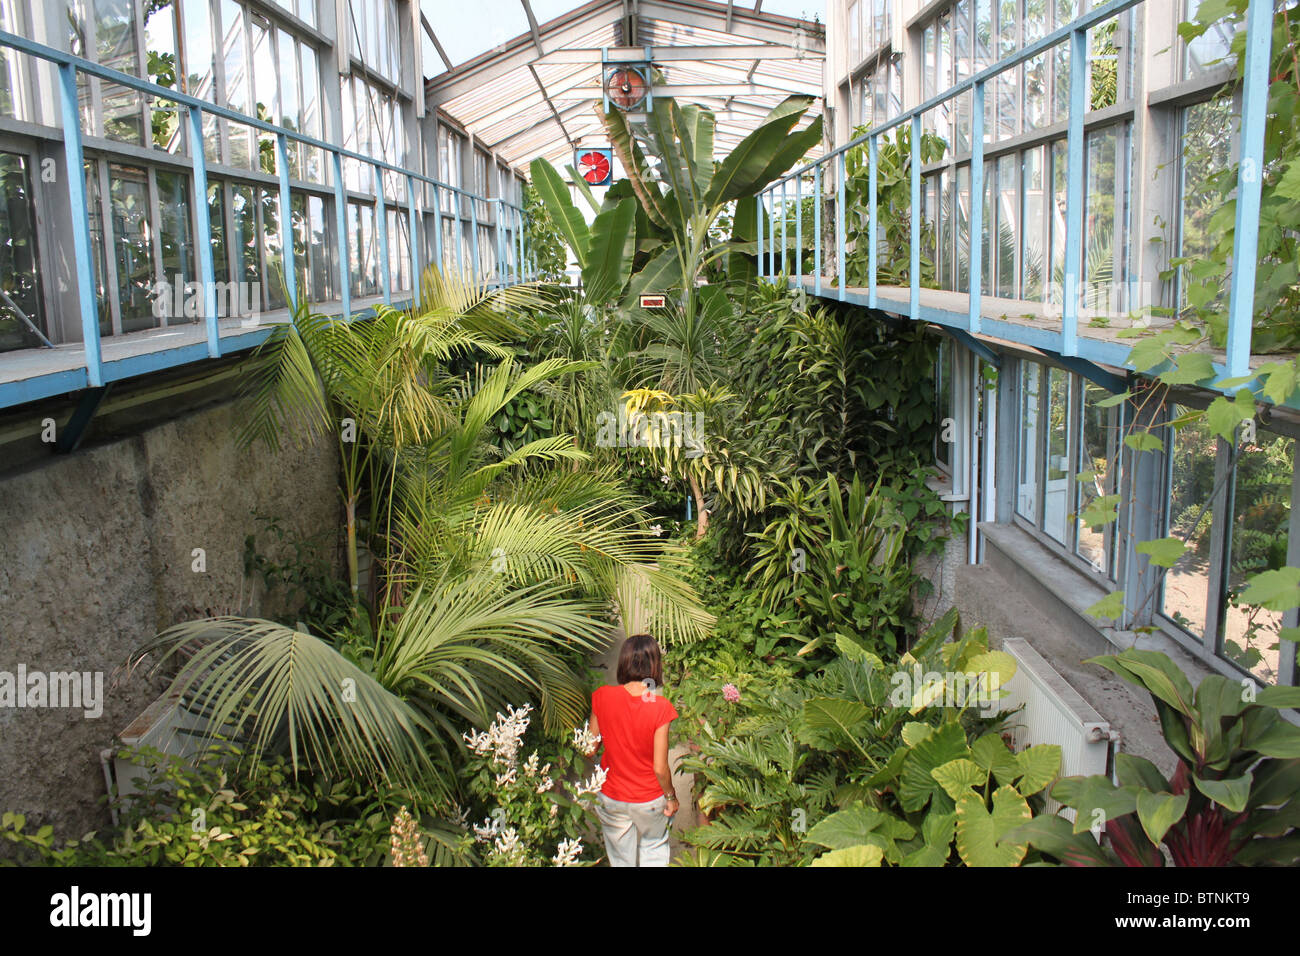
277, 689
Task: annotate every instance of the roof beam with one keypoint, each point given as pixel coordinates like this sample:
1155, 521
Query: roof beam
557, 89
761, 27
506, 140
532, 26
554, 112
677, 54
494, 64
693, 89
428, 28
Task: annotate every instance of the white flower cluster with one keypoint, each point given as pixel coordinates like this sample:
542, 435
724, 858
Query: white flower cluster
592, 784
584, 741
543, 774
507, 842
567, 853
503, 738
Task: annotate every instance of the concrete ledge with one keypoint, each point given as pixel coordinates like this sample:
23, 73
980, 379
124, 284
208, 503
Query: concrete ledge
1023, 590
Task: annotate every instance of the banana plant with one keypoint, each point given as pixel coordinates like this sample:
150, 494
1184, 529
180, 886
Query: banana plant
604, 249
681, 188
1232, 799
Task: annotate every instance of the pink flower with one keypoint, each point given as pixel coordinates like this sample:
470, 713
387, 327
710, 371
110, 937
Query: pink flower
730, 692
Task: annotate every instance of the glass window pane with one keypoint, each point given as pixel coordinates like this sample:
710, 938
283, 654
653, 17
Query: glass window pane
20, 277
98, 243
1208, 130
1212, 48
1056, 223
116, 46
1186, 585
1056, 471
1103, 217
217, 227
1008, 213
235, 74
1097, 476
1033, 226
273, 248
855, 40
963, 227
176, 239
132, 245
1261, 513
1103, 65
244, 244
1027, 474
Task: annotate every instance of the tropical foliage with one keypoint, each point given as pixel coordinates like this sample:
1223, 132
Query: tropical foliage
1232, 800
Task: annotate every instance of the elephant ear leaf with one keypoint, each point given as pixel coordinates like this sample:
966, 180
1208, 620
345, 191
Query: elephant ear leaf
983, 837
555, 196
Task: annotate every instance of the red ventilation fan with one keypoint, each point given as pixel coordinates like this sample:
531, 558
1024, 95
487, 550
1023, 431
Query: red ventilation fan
627, 88
596, 166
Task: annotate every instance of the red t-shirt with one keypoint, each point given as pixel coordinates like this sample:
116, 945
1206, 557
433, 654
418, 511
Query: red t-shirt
627, 729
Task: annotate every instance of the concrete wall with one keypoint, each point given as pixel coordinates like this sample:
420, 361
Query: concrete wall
96, 558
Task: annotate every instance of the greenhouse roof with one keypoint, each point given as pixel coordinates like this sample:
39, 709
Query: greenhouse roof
539, 93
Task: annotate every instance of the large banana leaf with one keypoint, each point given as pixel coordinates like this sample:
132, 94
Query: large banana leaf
661, 274
555, 195
682, 137
746, 168
636, 168
609, 256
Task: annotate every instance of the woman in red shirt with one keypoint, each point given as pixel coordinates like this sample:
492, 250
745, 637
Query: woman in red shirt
637, 801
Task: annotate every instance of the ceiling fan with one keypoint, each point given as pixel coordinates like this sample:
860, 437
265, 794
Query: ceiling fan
627, 87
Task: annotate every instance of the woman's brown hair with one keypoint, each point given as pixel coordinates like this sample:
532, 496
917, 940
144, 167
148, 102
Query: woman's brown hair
639, 660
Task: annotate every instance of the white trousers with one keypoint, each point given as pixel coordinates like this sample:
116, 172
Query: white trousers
636, 834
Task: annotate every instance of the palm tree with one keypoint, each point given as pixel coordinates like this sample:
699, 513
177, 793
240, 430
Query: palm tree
498, 565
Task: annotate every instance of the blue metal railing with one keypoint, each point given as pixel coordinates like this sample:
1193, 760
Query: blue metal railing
509, 221
1066, 341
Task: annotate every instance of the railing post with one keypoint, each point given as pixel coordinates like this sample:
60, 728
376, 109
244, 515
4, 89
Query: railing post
203, 224
839, 223
437, 228
758, 218
460, 238
817, 229
519, 241
473, 238
785, 244
413, 223
500, 246
975, 230
341, 222
798, 229
381, 218
914, 279
873, 163
76, 171
1074, 194
286, 220
1250, 174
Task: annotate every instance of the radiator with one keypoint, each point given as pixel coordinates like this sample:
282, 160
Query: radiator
1054, 713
